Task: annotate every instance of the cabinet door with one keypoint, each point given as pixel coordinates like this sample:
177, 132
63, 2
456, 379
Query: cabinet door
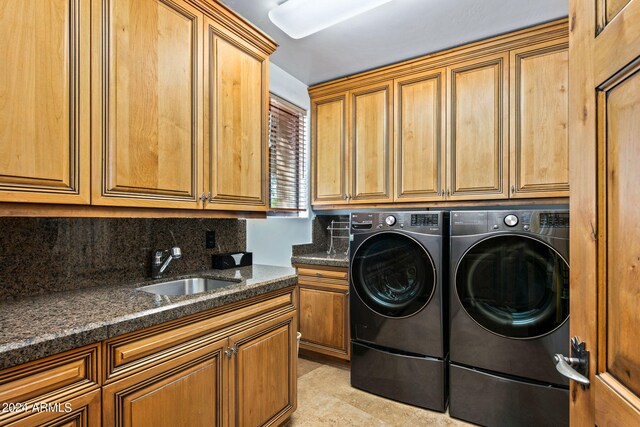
329, 142
478, 128
186, 391
44, 101
237, 102
539, 117
324, 317
263, 373
82, 411
419, 137
371, 136
147, 109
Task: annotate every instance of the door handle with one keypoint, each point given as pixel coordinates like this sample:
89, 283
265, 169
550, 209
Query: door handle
564, 366
575, 367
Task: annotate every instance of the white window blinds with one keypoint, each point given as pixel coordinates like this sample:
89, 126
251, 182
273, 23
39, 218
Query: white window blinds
287, 157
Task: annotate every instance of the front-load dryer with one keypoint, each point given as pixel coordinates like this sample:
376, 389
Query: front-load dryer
398, 278
509, 316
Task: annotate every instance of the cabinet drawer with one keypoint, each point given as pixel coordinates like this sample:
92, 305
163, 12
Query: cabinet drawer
323, 274
133, 352
50, 380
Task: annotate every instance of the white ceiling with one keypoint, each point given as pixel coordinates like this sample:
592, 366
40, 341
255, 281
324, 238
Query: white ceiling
395, 31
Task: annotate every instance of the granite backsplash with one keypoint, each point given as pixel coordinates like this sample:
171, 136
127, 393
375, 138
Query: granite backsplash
321, 236
40, 255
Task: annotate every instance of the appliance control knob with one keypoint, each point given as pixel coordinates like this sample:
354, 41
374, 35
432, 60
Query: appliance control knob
390, 220
526, 228
511, 220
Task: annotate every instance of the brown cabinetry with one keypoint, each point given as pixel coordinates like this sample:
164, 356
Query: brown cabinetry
324, 310
133, 103
61, 390
263, 373
147, 103
420, 136
352, 146
233, 365
371, 139
539, 118
482, 122
236, 107
478, 157
44, 101
330, 149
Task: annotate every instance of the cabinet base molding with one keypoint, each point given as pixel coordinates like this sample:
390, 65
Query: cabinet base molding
85, 211
451, 204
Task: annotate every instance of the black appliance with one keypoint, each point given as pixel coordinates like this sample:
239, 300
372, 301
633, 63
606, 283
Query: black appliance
509, 316
397, 306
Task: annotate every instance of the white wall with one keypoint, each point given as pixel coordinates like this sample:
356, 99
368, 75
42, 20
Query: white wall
270, 239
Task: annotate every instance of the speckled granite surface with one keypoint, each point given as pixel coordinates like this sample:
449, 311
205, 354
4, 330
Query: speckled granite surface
322, 258
44, 255
40, 326
315, 253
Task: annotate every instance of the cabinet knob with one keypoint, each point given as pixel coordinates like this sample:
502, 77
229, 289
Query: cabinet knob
203, 198
513, 189
344, 197
448, 193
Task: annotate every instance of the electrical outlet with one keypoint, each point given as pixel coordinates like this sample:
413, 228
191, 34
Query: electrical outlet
210, 239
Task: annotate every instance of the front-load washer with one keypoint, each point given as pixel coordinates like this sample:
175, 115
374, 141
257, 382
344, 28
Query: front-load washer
398, 278
509, 316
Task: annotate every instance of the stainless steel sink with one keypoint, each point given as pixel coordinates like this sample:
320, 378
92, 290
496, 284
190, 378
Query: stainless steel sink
191, 286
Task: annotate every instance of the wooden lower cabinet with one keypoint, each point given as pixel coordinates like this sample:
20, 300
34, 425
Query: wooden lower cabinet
231, 366
82, 411
183, 391
324, 311
263, 373
60, 390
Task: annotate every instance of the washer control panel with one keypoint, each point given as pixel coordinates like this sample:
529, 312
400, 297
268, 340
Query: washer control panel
544, 222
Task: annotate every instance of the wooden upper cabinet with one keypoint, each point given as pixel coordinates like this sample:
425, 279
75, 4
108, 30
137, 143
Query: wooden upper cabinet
478, 129
147, 106
371, 139
419, 136
237, 102
539, 118
329, 142
44, 101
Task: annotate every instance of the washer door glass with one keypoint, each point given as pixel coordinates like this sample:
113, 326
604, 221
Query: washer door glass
514, 286
393, 274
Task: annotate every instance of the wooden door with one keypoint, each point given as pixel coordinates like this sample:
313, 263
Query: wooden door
263, 373
419, 137
478, 157
44, 101
604, 124
185, 391
236, 113
329, 148
81, 411
539, 120
147, 103
371, 139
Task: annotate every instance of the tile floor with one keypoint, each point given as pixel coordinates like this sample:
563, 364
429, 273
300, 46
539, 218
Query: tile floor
326, 398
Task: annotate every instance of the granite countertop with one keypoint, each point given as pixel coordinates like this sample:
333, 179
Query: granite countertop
36, 327
322, 258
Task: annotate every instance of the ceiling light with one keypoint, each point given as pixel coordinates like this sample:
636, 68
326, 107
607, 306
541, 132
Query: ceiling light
299, 18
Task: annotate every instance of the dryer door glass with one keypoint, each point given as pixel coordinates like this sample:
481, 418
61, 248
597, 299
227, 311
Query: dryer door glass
514, 286
393, 274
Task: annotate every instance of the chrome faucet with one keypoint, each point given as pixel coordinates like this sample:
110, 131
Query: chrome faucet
159, 265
